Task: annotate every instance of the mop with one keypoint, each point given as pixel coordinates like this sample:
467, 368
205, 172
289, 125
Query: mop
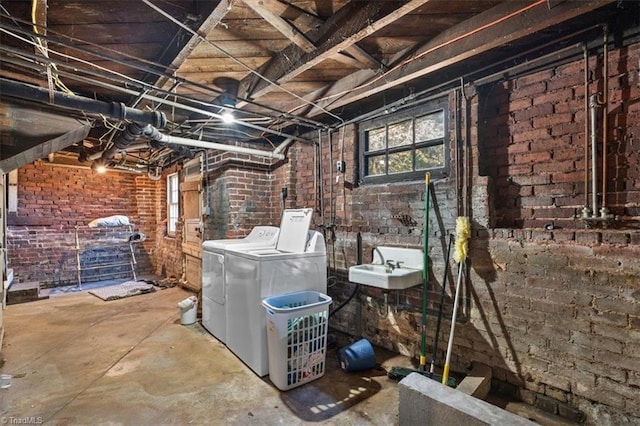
463, 232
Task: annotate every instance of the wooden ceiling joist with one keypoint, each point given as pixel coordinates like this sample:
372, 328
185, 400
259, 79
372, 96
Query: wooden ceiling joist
215, 17
499, 26
349, 25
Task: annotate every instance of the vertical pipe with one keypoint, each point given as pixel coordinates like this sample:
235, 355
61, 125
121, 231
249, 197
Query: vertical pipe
585, 210
330, 140
593, 106
456, 147
605, 118
321, 176
315, 176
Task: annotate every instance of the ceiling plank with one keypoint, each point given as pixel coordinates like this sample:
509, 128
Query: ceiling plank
365, 21
499, 26
279, 23
308, 22
214, 18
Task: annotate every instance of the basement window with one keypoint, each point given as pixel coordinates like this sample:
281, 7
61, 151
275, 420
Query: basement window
173, 197
405, 145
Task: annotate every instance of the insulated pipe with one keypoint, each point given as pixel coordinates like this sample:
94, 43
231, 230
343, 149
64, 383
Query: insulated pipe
115, 110
593, 106
212, 145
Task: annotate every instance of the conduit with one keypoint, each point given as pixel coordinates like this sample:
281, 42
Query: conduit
605, 120
585, 210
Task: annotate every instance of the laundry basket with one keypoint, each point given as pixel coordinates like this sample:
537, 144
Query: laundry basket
297, 326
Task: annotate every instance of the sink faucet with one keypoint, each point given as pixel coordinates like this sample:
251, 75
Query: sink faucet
377, 250
390, 266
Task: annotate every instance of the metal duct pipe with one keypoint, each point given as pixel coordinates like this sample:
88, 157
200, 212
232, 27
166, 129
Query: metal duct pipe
115, 110
212, 145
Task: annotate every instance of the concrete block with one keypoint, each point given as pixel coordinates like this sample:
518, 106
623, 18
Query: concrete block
424, 401
477, 382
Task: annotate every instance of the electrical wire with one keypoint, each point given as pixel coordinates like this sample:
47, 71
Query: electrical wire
155, 71
426, 52
236, 60
45, 51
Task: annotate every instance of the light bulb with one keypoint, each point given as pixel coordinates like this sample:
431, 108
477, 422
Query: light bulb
228, 117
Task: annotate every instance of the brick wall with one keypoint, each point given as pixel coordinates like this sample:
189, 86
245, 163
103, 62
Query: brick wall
533, 135
555, 312
242, 192
167, 254
52, 201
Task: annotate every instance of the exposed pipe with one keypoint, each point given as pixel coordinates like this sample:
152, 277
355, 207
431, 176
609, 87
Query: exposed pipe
222, 147
176, 80
593, 107
127, 137
115, 110
604, 211
585, 211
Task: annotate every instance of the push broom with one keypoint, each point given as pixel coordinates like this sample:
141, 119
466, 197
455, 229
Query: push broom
398, 373
463, 232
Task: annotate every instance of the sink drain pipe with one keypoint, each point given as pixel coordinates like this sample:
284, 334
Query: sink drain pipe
357, 286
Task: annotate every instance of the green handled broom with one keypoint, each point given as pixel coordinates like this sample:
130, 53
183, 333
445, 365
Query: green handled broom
398, 373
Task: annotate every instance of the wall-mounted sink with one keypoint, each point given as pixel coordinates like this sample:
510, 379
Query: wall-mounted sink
379, 274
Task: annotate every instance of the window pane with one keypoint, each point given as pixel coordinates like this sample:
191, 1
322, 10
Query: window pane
400, 162
429, 127
400, 134
173, 197
376, 139
375, 165
173, 217
430, 157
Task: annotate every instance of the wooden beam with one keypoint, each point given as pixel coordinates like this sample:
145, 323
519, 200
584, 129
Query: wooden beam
307, 22
280, 24
365, 21
499, 26
214, 18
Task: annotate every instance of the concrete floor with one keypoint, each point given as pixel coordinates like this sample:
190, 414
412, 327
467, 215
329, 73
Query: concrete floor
76, 359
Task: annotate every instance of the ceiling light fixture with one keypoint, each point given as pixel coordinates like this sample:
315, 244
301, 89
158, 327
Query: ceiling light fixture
227, 98
227, 116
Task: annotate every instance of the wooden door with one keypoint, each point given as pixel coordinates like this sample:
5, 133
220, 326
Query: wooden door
191, 190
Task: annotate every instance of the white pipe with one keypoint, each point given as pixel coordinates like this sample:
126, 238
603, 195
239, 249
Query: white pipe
222, 147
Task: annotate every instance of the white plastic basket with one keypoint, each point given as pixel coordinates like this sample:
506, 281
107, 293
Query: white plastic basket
297, 326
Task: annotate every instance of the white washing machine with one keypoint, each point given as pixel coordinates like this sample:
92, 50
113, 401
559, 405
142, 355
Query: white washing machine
214, 293
297, 263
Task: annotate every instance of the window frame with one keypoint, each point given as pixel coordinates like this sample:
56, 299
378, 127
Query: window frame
173, 190
441, 103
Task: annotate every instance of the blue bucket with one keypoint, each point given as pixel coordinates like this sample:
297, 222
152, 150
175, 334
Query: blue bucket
357, 356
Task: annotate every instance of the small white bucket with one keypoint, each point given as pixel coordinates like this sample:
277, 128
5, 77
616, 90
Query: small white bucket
188, 310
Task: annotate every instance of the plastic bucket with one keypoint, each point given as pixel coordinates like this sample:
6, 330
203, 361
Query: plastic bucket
357, 356
188, 310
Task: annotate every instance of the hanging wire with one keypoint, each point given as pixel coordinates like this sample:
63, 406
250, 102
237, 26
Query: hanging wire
236, 60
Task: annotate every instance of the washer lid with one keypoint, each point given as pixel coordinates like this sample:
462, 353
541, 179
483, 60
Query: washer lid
293, 230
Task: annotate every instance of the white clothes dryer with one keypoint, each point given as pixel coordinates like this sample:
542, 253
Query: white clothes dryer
214, 292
